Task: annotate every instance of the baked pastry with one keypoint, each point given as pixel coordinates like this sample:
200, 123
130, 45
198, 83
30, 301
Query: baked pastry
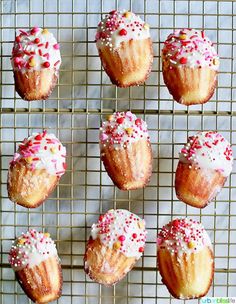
126, 150
117, 241
36, 61
125, 48
190, 65
33, 257
185, 258
204, 165
35, 170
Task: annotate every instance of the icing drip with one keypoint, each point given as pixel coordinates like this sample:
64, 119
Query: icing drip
209, 150
42, 151
191, 48
30, 249
183, 236
118, 27
121, 230
35, 49
122, 129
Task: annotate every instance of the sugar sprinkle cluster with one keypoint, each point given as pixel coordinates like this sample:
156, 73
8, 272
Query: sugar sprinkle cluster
191, 48
122, 129
208, 150
30, 249
35, 49
117, 27
121, 230
42, 151
183, 236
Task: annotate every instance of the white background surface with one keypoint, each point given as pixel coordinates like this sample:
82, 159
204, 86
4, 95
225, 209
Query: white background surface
73, 112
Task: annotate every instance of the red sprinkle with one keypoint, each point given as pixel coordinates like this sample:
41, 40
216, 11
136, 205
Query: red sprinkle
183, 60
36, 40
40, 52
46, 45
138, 122
41, 44
57, 62
64, 165
101, 218
120, 120
134, 235
46, 64
122, 32
38, 137
18, 39
141, 249
121, 238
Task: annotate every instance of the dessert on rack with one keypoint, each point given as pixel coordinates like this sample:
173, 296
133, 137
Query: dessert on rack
185, 258
205, 163
33, 257
190, 66
116, 243
126, 150
36, 61
125, 48
36, 169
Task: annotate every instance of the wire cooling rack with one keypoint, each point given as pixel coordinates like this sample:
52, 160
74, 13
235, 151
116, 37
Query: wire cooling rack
84, 95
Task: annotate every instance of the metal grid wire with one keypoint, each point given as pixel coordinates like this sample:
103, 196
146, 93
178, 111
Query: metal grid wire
74, 112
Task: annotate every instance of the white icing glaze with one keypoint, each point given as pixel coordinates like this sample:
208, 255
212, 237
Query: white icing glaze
208, 150
30, 249
42, 151
183, 236
118, 27
122, 129
191, 48
35, 49
121, 230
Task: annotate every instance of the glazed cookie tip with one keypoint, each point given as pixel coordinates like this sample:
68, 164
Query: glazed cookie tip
119, 26
183, 236
30, 249
208, 150
42, 151
122, 129
191, 48
121, 230
35, 49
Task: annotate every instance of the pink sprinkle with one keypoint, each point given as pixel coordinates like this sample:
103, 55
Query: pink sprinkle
56, 46
34, 30
24, 32
17, 60
104, 136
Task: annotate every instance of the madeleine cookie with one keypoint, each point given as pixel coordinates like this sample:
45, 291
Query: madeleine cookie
126, 150
116, 243
125, 48
185, 258
36, 61
36, 169
190, 66
34, 259
204, 165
